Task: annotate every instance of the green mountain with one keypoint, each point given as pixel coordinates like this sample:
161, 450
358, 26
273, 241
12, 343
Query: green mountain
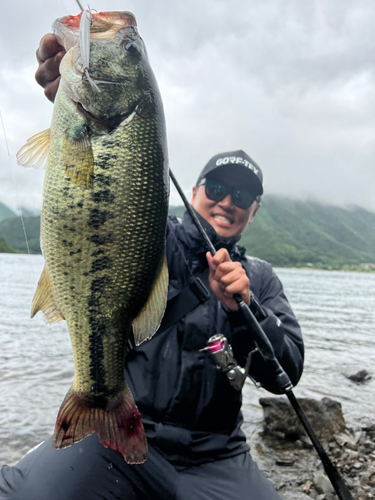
177, 211
284, 232
12, 232
4, 247
29, 212
294, 233
5, 212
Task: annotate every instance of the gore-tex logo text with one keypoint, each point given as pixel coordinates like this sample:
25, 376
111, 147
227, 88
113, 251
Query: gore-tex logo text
236, 159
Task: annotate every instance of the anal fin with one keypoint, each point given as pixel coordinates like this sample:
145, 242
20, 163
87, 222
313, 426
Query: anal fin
44, 301
115, 420
149, 318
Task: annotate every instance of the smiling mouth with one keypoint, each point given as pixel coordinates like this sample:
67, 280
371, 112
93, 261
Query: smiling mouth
221, 218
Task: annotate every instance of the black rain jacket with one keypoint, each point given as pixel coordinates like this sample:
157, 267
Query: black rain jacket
190, 412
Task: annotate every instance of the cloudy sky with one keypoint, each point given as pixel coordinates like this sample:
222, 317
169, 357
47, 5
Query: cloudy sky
291, 82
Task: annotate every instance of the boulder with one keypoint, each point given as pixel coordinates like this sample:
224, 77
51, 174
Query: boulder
360, 377
280, 420
322, 484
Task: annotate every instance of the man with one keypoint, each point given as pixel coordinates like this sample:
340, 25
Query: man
190, 410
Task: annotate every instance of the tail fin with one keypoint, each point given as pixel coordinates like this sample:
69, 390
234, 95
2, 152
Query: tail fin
115, 420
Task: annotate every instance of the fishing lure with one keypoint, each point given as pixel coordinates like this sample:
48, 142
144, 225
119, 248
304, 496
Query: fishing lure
84, 44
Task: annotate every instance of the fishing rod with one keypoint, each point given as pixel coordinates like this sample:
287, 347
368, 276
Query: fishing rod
281, 378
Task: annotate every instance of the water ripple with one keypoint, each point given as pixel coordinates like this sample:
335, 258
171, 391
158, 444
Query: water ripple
336, 311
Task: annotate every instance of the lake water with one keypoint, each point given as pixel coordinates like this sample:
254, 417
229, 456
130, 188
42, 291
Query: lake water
336, 311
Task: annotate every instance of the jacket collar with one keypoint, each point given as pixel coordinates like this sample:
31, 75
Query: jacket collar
195, 243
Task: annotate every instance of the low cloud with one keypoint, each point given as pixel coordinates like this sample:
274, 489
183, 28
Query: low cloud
289, 82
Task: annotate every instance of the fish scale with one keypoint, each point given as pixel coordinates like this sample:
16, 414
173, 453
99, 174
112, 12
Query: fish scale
103, 225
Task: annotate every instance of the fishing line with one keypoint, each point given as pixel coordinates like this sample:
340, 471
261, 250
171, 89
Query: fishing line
18, 200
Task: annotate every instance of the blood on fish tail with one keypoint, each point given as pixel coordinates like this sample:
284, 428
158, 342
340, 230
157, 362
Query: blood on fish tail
114, 419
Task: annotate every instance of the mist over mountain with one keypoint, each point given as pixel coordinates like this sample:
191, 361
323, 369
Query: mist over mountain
29, 211
5, 212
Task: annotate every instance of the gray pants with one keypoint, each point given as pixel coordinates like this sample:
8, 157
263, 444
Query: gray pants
88, 471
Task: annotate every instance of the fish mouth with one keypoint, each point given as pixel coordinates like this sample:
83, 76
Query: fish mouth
101, 22
104, 26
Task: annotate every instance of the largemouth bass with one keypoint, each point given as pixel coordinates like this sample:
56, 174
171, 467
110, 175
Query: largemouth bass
103, 222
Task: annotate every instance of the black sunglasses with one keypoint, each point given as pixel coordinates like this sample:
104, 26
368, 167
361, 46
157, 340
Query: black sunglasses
218, 190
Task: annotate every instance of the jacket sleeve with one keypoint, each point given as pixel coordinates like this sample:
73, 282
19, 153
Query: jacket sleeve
272, 309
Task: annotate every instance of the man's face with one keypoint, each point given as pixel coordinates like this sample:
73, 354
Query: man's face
227, 219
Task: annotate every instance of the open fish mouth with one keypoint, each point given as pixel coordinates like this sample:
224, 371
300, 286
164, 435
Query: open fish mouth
104, 25
77, 32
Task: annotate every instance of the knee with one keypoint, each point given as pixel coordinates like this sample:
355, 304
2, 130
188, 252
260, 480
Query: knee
83, 471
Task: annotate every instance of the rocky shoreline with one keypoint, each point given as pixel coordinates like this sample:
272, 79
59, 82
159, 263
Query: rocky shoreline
285, 454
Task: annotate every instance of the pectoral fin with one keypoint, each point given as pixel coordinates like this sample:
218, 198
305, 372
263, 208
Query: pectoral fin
43, 301
35, 152
78, 160
149, 318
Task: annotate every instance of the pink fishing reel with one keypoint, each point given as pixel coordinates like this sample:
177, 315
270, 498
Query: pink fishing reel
220, 348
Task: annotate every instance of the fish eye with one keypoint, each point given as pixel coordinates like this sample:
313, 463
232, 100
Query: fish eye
133, 50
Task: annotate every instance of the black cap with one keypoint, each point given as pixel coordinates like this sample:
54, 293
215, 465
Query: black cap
251, 170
